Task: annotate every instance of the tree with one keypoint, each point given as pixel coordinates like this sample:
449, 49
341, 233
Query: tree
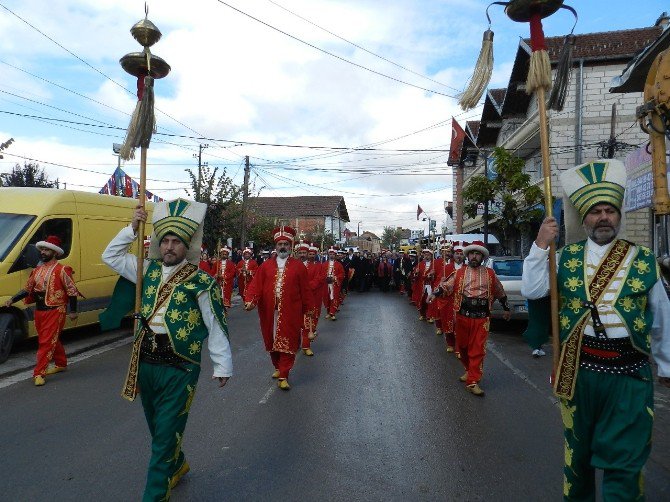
30, 175
260, 231
391, 237
510, 194
320, 237
223, 199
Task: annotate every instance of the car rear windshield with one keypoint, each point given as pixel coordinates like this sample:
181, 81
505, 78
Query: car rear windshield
511, 268
13, 226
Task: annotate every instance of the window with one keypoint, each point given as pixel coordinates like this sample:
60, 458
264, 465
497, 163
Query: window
13, 226
510, 268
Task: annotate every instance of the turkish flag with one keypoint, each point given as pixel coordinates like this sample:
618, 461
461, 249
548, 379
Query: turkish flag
457, 137
418, 211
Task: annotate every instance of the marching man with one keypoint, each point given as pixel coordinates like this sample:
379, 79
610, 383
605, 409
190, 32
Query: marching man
51, 287
613, 315
246, 268
475, 288
280, 291
225, 275
334, 275
425, 275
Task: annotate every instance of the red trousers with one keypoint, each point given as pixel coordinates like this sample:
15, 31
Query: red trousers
49, 324
282, 361
471, 335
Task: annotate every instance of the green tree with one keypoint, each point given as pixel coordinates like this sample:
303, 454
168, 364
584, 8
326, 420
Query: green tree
320, 237
30, 175
511, 191
223, 199
260, 231
391, 237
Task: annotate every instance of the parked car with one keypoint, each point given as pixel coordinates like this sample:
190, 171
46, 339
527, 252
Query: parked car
508, 269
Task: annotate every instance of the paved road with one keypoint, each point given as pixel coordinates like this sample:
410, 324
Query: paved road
376, 414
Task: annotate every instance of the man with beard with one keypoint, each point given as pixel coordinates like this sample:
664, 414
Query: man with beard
307, 333
425, 275
445, 302
246, 268
475, 288
614, 313
440, 265
225, 275
280, 290
334, 276
51, 287
181, 307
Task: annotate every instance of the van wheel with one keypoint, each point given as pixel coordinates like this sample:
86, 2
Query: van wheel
6, 336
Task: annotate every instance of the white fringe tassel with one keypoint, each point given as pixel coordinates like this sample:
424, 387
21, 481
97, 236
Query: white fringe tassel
539, 72
480, 76
142, 123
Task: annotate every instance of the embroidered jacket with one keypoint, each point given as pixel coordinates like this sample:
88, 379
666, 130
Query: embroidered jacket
183, 319
631, 302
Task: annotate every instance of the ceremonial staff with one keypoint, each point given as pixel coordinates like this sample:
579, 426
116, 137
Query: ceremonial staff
146, 67
654, 116
538, 81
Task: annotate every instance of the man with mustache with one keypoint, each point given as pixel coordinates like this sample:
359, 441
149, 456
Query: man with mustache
181, 308
333, 273
475, 288
224, 273
51, 287
246, 268
280, 290
613, 314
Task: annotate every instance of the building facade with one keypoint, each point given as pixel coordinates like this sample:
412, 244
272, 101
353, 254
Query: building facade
594, 123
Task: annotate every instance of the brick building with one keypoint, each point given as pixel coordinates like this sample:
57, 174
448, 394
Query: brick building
307, 214
576, 134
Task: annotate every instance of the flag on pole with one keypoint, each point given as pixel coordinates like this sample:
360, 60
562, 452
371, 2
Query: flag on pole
457, 137
418, 211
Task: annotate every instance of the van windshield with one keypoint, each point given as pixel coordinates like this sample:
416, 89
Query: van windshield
13, 226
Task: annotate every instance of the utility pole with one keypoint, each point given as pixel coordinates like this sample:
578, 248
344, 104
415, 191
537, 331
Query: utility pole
245, 196
200, 166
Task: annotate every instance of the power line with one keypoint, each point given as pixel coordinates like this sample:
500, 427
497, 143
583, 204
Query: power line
334, 55
362, 48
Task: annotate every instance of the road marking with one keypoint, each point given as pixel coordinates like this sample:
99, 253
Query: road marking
25, 375
267, 395
492, 348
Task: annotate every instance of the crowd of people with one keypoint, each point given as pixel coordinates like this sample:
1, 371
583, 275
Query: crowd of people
430, 283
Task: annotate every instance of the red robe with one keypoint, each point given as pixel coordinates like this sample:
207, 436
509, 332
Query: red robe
225, 276
425, 277
208, 267
445, 304
336, 273
245, 273
315, 283
291, 304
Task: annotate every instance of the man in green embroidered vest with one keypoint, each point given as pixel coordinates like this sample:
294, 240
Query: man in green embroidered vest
613, 314
181, 307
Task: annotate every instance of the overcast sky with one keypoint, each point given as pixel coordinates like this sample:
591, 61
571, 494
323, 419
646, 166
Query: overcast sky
237, 81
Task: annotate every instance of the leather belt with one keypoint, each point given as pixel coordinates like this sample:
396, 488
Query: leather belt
611, 355
39, 302
156, 349
476, 308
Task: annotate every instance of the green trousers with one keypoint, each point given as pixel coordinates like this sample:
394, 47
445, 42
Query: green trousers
607, 425
166, 393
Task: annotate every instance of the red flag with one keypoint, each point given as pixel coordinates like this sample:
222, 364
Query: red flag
457, 137
418, 211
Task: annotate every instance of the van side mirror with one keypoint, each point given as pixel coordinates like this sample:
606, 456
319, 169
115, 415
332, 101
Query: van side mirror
30, 256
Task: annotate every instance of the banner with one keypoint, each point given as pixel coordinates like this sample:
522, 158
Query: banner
457, 137
122, 185
418, 212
